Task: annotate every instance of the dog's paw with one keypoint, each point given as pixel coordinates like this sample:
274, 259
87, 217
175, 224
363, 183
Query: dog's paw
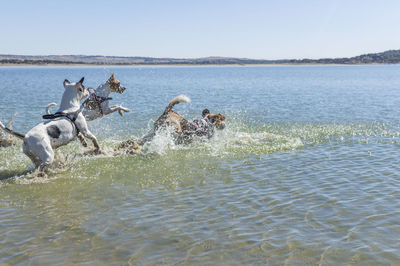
41, 174
83, 142
98, 151
121, 110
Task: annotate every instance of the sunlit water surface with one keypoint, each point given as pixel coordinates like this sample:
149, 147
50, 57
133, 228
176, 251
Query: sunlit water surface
307, 171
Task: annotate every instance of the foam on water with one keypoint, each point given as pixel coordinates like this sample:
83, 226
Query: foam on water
238, 140
161, 143
7, 139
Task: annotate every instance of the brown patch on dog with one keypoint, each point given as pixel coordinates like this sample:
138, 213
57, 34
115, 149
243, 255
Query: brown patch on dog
115, 84
217, 120
174, 119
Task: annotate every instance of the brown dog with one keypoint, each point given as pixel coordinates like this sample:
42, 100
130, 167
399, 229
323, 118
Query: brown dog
185, 130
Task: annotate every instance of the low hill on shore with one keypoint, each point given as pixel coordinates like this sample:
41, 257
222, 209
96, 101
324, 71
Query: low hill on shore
387, 57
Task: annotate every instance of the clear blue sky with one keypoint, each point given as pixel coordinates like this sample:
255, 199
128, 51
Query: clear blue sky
269, 29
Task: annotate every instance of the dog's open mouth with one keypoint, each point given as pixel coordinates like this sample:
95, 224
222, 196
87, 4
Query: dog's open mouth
120, 89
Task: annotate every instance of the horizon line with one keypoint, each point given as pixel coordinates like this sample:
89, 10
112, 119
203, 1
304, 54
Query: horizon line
189, 58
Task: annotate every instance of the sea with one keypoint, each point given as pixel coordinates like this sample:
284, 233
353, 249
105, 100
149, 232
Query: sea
306, 171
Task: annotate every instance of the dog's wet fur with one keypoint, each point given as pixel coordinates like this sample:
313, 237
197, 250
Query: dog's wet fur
185, 131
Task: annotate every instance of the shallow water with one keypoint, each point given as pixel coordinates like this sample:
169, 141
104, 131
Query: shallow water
307, 171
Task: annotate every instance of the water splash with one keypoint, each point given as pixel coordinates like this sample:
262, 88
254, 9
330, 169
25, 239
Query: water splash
7, 140
238, 139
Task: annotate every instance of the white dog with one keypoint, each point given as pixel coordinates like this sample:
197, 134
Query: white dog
40, 141
97, 104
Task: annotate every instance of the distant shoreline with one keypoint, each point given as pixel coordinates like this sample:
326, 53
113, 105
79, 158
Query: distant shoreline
188, 65
387, 57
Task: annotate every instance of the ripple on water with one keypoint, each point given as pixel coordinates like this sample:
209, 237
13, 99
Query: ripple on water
294, 193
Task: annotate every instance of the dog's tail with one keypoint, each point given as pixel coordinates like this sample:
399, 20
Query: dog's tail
48, 107
176, 100
10, 131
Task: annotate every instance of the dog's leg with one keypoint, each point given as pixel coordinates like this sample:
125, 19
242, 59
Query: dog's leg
27, 150
89, 135
175, 121
42, 168
43, 158
123, 109
82, 140
80, 122
114, 108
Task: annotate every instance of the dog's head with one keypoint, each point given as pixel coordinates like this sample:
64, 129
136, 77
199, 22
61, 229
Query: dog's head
115, 85
75, 89
217, 120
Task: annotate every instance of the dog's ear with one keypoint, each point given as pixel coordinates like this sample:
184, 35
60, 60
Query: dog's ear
82, 79
66, 82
